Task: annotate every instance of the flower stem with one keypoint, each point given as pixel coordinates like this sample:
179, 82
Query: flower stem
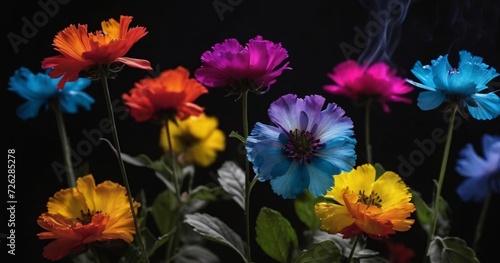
175, 169
480, 224
244, 110
444, 162
70, 174
367, 132
122, 167
349, 260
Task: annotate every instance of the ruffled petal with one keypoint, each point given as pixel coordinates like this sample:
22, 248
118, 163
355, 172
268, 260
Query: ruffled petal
429, 100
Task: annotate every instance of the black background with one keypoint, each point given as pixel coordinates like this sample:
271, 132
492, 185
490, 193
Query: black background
312, 32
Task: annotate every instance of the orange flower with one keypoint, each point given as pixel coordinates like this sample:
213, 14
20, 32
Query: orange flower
365, 204
81, 51
169, 95
85, 214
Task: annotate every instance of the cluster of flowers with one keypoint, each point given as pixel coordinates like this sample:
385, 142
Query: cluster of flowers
309, 147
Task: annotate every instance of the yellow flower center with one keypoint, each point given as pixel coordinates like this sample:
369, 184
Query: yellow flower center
372, 199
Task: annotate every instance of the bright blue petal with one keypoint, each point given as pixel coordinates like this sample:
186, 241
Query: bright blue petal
29, 109
321, 176
333, 124
440, 69
488, 106
38, 89
339, 152
429, 100
424, 74
292, 183
478, 75
419, 85
264, 150
474, 189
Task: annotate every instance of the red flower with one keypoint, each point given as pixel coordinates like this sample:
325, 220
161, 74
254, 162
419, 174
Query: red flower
170, 94
81, 51
377, 81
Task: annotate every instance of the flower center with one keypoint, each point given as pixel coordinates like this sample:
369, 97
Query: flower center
86, 217
455, 70
302, 145
372, 199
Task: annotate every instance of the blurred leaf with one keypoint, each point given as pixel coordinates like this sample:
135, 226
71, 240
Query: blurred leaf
304, 207
132, 255
195, 254
379, 170
451, 250
160, 241
345, 245
232, 179
325, 251
214, 229
206, 193
162, 167
275, 235
165, 211
234, 134
424, 214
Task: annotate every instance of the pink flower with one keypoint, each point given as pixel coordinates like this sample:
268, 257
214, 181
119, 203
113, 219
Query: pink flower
231, 64
377, 82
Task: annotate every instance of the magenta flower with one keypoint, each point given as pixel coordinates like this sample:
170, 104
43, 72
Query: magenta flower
230, 64
378, 82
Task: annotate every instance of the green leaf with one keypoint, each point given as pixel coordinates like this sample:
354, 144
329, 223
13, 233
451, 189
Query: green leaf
160, 241
326, 251
423, 211
234, 134
275, 235
195, 254
165, 211
345, 245
451, 250
214, 229
206, 193
232, 179
424, 214
304, 207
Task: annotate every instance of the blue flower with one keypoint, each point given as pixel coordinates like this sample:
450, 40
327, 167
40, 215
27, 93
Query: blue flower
483, 173
459, 87
40, 88
305, 149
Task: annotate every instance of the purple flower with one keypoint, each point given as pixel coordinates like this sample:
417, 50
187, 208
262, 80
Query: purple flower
258, 63
305, 148
482, 172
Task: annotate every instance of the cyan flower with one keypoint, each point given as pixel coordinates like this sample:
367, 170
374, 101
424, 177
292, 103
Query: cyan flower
305, 149
482, 172
459, 87
40, 88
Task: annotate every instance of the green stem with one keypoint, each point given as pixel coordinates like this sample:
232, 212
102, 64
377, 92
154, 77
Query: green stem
349, 260
480, 224
175, 169
122, 167
444, 162
70, 174
244, 110
367, 132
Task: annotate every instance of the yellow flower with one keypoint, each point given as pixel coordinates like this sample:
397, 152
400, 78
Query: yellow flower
195, 140
85, 214
365, 205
